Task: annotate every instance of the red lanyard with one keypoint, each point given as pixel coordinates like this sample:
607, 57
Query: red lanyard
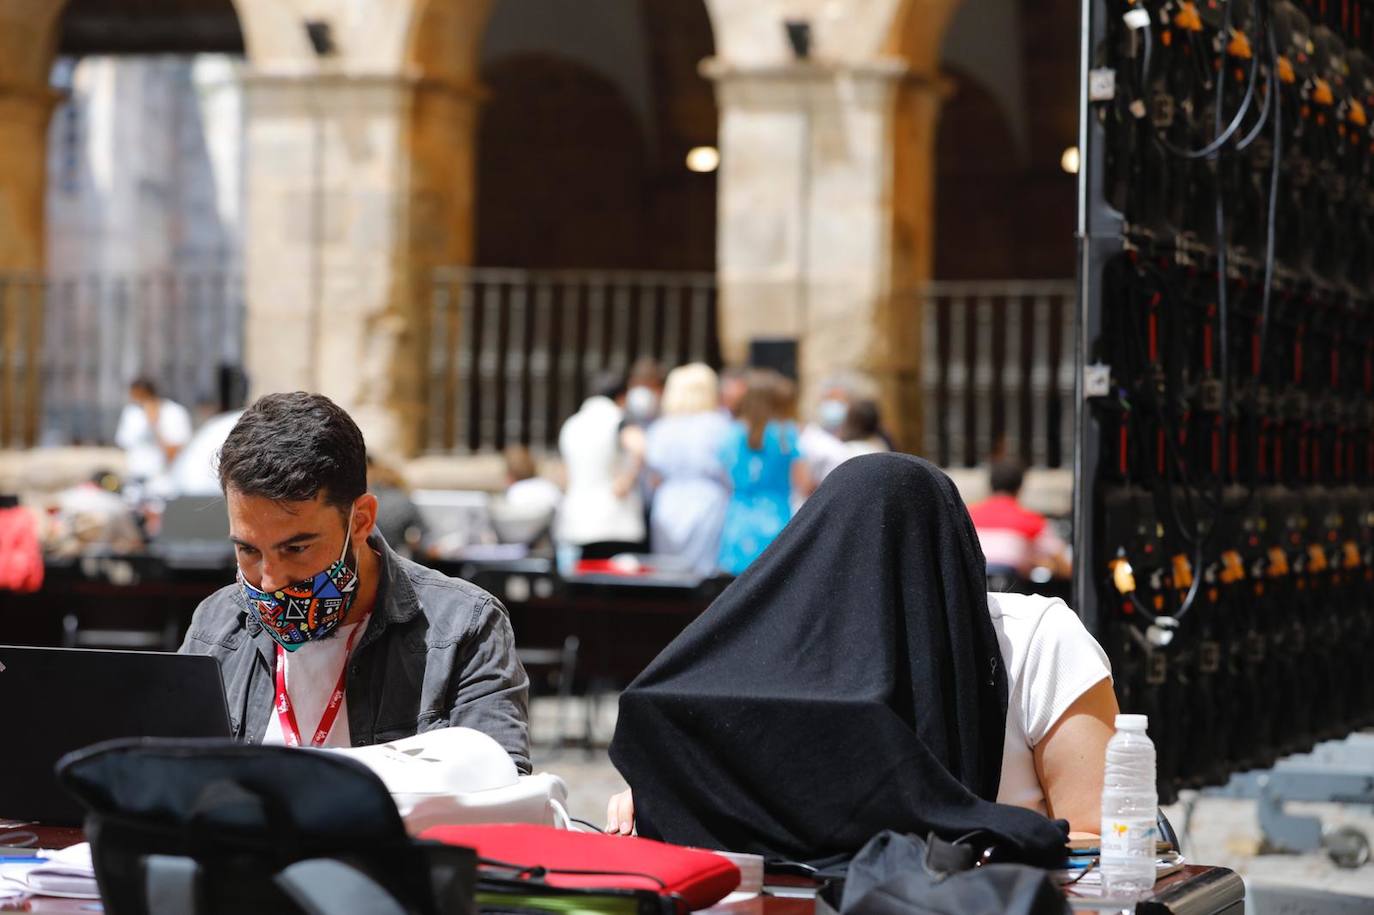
290, 731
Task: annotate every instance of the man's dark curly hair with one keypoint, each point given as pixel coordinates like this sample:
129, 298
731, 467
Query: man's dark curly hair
292, 447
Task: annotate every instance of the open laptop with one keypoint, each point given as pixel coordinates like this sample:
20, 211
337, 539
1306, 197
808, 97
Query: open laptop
55, 700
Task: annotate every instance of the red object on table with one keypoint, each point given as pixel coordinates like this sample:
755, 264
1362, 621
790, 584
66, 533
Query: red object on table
611, 567
700, 878
21, 560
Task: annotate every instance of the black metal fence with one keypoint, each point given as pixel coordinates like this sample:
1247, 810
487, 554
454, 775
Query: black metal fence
998, 371
513, 352
71, 345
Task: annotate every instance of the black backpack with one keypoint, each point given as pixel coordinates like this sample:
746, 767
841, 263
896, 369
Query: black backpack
212, 826
895, 874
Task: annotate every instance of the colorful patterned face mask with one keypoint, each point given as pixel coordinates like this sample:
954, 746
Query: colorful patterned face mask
308, 610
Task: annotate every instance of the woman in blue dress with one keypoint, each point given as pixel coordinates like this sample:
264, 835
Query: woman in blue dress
759, 454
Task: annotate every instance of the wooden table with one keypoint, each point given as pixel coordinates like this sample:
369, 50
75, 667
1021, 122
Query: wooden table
1195, 890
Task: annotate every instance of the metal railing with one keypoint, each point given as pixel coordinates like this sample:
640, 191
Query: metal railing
998, 371
72, 344
514, 352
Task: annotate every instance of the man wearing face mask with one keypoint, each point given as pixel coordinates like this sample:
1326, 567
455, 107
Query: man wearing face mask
820, 442
328, 638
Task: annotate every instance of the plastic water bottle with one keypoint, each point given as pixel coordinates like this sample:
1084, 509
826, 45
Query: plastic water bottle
1129, 805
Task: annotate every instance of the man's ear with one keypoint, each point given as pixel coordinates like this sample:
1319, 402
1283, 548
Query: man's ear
364, 517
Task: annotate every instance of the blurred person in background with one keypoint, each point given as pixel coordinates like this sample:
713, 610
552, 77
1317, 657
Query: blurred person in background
152, 430
860, 431
524, 487
1015, 539
194, 472
762, 459
732, 386
602, 512
643, 392
90, 515
820, 441
398, 520
683, 457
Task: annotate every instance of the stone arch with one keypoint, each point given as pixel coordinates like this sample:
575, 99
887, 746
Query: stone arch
972, 145
576, 201
630, 77
917, 34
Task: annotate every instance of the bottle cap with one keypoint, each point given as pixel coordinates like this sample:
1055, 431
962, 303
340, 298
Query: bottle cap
1132, 722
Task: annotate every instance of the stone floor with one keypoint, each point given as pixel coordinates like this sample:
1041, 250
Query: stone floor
1223, 831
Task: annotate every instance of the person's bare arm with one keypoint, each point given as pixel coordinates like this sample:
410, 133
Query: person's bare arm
632, 442
1070, 760
620, 813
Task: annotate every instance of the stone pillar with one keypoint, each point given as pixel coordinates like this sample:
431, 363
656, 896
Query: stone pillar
24, 113
333, 289
896, 359
811, 241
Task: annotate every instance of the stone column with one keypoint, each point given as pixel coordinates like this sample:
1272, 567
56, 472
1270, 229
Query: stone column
25, 110
334, 288
896, 359
811, 241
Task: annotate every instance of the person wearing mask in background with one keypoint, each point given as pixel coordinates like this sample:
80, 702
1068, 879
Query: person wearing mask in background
760, 455
860, 430
329, 638
152, 430
643, 391
602, 513
1014, 538
683, 457
820, 440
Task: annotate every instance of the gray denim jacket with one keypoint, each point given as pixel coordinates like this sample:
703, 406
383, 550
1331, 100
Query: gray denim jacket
437, 652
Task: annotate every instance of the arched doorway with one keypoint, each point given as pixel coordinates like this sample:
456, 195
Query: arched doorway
597, 112
591, 237
143, 210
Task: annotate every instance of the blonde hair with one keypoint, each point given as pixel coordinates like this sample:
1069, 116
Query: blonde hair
691, 388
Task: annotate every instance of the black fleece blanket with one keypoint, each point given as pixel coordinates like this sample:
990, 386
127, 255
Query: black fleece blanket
848, 682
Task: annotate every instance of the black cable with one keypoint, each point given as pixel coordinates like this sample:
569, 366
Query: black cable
1271, 83
590, 826
1276, 157
537, 871
1221, 137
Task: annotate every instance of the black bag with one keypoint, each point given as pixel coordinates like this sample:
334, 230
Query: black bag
211, 826
897, 874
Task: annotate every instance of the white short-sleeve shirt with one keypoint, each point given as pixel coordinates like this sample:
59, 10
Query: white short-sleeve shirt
312, 671
145, 458
1050, 660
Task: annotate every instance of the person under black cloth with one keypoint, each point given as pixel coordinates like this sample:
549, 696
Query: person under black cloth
850, 681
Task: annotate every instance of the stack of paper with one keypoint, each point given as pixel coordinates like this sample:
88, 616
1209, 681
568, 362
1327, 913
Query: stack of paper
67, 873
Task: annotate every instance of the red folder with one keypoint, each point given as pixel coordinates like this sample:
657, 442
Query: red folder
586, 860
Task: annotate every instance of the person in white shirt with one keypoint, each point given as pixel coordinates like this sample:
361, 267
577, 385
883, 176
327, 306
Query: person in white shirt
1060, 705
524, 487
860, 432
602, 510
152, 431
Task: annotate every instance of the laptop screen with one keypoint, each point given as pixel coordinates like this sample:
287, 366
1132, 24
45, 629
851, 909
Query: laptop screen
56, 700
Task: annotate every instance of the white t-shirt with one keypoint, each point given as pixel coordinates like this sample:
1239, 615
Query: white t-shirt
1051, 660
312, 671
590, 445
145, 457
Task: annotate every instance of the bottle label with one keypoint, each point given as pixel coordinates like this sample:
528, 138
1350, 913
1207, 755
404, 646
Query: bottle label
1128, 837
